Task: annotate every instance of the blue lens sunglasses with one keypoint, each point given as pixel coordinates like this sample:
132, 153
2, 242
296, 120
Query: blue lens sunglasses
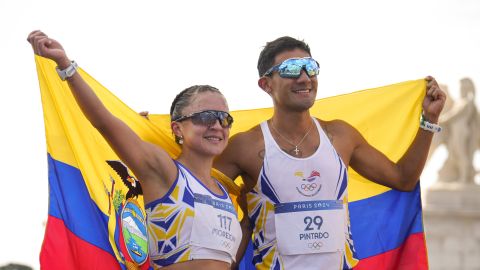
292, 68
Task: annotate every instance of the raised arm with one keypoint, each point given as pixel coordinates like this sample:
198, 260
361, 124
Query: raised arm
148, 162
404, 174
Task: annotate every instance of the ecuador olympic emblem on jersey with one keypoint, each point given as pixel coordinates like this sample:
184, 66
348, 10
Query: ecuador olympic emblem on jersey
309, 186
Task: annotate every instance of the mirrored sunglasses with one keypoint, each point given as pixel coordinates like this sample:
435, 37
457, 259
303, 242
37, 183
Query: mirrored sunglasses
292, 68
208, 118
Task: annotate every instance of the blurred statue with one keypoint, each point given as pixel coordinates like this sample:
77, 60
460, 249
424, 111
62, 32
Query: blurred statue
460, 135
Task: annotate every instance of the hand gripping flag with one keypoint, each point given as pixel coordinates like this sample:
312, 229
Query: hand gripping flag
96, 218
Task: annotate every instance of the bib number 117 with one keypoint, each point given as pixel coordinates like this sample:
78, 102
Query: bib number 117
225, 222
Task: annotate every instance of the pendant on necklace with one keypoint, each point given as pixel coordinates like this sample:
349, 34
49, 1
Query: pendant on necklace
295, 152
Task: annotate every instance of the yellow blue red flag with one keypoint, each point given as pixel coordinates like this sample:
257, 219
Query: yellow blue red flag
96, 218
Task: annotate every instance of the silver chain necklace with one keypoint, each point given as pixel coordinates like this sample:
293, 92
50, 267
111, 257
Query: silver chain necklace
296, 150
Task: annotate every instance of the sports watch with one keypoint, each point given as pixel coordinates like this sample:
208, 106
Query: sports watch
68, 72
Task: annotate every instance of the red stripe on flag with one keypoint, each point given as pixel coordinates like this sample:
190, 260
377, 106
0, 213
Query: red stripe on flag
61, 249
414, 248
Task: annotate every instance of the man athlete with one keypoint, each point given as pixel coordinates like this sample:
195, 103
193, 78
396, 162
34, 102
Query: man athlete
272, 156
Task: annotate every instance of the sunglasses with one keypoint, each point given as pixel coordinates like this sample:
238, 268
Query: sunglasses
292, 68
208, 118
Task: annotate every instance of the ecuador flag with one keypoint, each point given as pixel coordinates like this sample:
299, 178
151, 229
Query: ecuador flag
96, 218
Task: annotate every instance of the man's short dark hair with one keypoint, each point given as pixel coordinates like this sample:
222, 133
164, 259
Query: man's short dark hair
273, 48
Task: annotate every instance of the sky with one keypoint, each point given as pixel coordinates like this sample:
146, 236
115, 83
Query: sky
145, 52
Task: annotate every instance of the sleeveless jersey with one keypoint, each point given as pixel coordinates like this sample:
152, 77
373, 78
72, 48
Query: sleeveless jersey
191, 222
298, 209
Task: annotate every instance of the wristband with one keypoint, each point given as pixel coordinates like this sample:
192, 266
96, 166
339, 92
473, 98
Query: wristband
425, 125
68, 72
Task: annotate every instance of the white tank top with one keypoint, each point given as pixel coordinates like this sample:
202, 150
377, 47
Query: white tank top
191, 222
298, 209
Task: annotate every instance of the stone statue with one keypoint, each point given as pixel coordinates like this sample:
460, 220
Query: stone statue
460, 135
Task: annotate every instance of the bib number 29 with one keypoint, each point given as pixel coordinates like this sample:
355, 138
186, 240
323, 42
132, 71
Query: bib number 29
313, 222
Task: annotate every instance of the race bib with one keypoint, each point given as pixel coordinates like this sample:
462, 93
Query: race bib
310, 227
215, 225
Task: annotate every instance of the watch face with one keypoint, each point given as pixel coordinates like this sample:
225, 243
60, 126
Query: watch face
70, 71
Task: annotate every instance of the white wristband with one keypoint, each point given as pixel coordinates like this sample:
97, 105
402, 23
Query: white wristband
425, 125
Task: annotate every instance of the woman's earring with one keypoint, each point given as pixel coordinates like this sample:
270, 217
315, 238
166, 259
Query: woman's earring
180, 140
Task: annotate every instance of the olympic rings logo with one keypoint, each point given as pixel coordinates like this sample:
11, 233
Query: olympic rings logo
309, 187
226, 244
315, 245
